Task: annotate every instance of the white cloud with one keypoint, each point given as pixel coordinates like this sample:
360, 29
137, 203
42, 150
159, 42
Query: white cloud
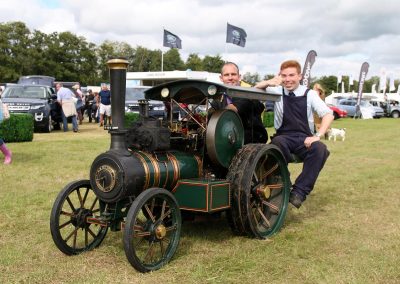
344, 33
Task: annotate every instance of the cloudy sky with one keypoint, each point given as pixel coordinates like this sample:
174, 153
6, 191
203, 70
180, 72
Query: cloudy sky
344, 33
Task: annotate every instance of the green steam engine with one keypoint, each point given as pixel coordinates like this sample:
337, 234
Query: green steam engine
156, 170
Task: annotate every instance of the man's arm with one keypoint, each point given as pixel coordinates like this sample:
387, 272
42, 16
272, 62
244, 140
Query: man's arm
325, 123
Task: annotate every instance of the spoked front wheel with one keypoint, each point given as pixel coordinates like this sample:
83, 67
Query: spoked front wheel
260, 185
152, 230
69, 228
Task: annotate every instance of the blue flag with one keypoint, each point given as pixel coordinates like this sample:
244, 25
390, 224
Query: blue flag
236, 35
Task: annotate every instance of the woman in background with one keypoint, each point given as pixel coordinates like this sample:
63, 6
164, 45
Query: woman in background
3, 148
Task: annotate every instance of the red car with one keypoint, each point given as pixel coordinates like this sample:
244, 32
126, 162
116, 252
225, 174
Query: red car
337, 112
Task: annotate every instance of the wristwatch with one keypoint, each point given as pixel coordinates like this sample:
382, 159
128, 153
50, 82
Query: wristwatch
318, 135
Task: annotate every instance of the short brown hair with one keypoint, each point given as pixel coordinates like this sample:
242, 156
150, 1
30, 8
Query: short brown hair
229, 63
291, 63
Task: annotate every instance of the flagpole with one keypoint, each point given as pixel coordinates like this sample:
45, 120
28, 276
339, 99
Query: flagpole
162, 60
162, 53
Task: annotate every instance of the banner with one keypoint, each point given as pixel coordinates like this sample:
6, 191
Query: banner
236, 35
382, 80
339, 78
363, 74
391, 83
307, 68
351, 80
171, 40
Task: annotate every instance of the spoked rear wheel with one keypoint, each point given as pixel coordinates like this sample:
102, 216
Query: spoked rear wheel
260, 190
70, 230
152, 229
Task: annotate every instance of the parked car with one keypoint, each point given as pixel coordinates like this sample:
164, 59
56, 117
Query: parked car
390, 110
134, 94
37, 80
337, 112
349, 105
38, 100
269, 106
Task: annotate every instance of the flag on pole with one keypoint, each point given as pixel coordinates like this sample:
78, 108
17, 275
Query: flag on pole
373, 88
382, 80
363, 74
171, 40
391, 83
351, 80
236, 35
306, 76
339, 78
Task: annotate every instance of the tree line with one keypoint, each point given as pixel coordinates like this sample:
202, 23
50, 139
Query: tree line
69, 57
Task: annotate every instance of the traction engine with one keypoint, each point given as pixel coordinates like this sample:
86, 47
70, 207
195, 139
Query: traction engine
156, 170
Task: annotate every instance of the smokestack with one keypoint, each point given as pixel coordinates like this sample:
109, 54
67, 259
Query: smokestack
118, 67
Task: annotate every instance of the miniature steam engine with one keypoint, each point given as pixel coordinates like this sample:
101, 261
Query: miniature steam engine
193, 161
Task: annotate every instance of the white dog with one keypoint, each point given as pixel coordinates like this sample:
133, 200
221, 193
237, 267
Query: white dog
337, 132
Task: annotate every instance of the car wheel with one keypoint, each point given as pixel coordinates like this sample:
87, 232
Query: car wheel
48, 126
336, 115
395, 114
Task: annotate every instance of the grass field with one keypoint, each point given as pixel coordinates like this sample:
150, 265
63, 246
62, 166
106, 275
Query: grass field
348, 230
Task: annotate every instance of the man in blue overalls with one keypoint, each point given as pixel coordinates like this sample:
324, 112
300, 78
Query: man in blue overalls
294, 124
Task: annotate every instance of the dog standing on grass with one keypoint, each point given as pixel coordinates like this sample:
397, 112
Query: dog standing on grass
337, 132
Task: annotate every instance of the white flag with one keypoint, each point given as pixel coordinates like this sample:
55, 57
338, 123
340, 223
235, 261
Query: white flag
351, 80
391, 83
339, 79
382, 80
373, 88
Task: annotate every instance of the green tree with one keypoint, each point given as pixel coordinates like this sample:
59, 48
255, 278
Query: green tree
172, 60
328, 83
194, 62
250, 78
14, 51
213, 63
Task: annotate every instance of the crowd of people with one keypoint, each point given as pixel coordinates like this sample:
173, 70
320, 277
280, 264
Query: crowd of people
76, 104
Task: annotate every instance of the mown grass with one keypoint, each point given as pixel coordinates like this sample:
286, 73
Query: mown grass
348, 230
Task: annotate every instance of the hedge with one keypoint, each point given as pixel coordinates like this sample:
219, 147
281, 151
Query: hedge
18, 128
130, 117
268, 119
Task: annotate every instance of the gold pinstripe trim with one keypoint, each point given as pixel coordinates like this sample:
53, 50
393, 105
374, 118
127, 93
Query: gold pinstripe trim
175, 166
199, 165
156, 168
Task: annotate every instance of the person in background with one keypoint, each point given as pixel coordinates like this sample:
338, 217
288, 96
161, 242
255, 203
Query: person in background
321, 93
79, 104
294, 124
4, 114
64, 98
104, 100
249, 110
89, 101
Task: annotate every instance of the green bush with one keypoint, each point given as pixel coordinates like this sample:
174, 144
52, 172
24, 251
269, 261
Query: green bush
18, 128
130, 118
268, 119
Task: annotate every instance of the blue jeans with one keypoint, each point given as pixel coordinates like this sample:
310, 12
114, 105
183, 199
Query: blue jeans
65, 123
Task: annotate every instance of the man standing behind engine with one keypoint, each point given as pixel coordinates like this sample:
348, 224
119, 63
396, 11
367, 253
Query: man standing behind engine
249, 110
105, 104
294, 124
64, 98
